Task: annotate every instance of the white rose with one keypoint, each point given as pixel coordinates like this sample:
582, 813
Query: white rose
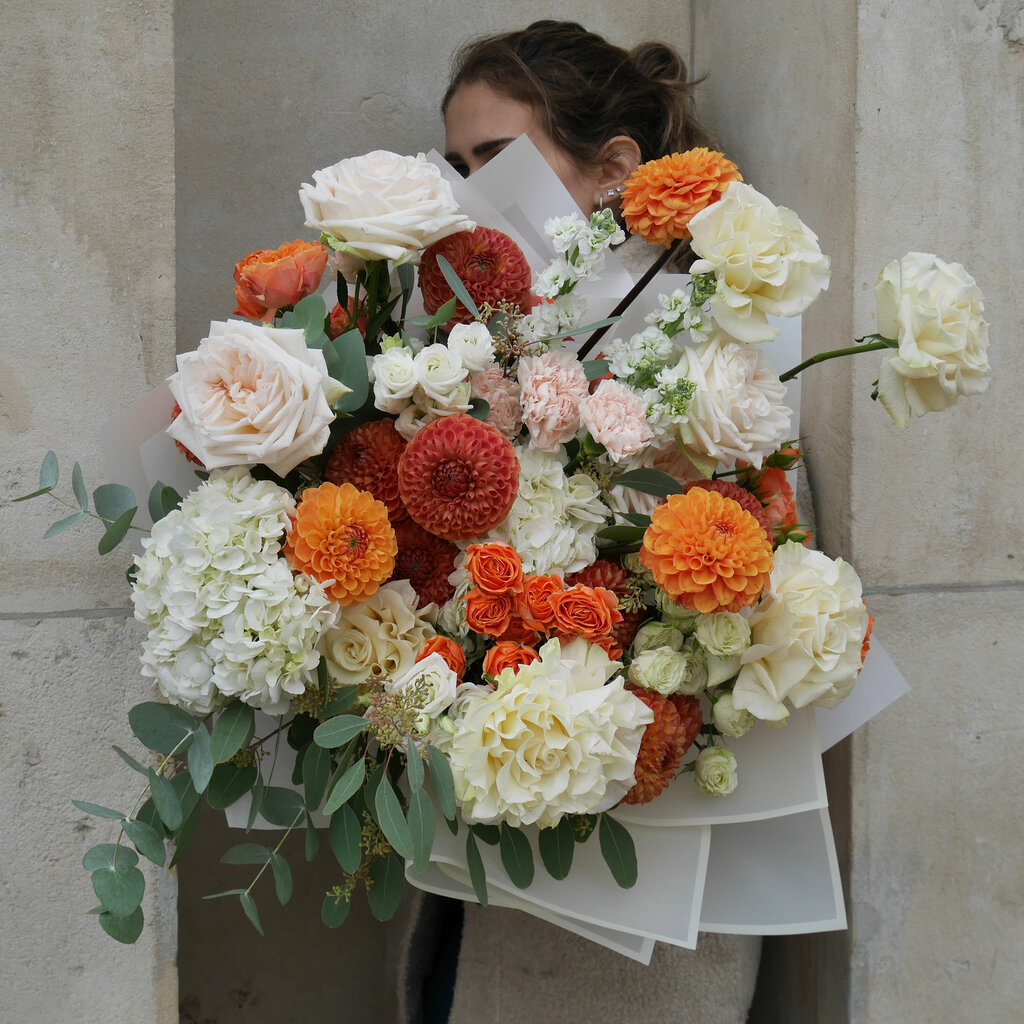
657, 634
724, 637
736, 411
934, 310
253, 394
661, 669
383, 206
807, 635
715, 771
438, 371
394, 379
473, 344
431, 685
764, 258
728, 720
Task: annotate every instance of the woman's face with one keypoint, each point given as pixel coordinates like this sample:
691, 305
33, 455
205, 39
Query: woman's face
480, 123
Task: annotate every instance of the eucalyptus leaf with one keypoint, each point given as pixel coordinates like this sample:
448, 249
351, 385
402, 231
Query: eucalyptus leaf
421, 827
622, 534
413, 765
312, 839
109, 856
479, 408
221, 895
618, 851
283, 884
444, 784
475, 862
149, 815
123, 929
111, 501
316, 771
557, 846
490, 834
65, 524
48, 473
636, 519
165, 800
281, 806
116, 531
649, 481
97, 810
146, 839
185, 833
392, 821
200, 758
338, 730
594, 368
456, 285
129, 760
251, 911
345, 835
343, 787
162, 727
516, 856
229, 782
340, 702
119, 891
346, 362
78, 486
334, 910
232, 731
444, 313
387, 883
29, 497
246, 853
578, 332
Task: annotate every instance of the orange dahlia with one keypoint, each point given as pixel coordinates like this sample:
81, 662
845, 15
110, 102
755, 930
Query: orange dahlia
367, 457
343, 535
707, 552
425, 561
490, 265
742, 497
866, 645
458, 477
677, 721
663, 195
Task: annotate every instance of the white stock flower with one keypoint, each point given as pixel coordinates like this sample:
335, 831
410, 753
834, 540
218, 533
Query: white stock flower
558, 736
806, 635
934, 310
253, 394
715, 771
766, 261
473, 345
383, 206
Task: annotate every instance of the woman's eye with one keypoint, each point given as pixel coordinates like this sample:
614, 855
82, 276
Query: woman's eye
461, 169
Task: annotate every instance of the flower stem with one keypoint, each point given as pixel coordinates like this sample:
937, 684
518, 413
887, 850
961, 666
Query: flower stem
874, 346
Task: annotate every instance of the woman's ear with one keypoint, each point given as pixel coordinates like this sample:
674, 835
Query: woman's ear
619, 158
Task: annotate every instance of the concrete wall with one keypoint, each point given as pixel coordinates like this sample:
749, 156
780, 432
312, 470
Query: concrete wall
893, 127
86, 326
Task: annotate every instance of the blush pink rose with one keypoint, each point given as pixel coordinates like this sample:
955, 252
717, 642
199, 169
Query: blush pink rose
502, 395
552, 386
614, 415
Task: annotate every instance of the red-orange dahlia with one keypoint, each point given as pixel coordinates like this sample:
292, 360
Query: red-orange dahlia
367, 457
677, 721
342, 534
425, 561
458, 477
707, 552
490, 265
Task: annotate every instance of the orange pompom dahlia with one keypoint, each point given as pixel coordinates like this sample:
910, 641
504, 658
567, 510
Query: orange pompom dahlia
677, 721
707, 552
663, 195
342, 534
269, 279
367, 457
458, 477
742, 497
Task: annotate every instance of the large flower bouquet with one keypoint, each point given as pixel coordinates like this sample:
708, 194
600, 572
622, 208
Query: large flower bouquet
488, 573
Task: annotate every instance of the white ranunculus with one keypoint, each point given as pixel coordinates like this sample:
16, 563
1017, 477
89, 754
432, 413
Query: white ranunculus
383, 206
473, 344
715, 771
806, 636
934, 310
558, 736
736, 411
252, 394
766, 261
394, 379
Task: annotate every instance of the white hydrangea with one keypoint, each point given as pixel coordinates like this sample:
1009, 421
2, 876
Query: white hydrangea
226, 616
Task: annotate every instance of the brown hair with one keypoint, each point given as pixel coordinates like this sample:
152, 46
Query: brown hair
586, 90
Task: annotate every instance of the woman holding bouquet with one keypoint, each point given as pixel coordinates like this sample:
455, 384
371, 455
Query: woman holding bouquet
596, 112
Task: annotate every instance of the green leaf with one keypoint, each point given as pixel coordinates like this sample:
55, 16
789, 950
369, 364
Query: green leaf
123, 929
149, 815
200, 758
221, 895
391, 819
413, 765
281, 806
65, 524
97, 810
309, 314
283, 884
622, 534
444, 784
346, 362
184, 836
369, 793
116, 531
129, 760
334, 910
516, 856
146, 839
343, 787
488, 834
578, 332
338, 730
557, 846
421, 827
618, 851
636, 519
249, 906
78, 486
246, 853
344, 835
387, 878
650, 481
29, 497
456, 285
339, 703
406, 276
316, 771
444, 312
165, 800
162, 499
48, 473
161, 727
229, 782
479, 408
111, 501
232, 731
109, 856
312, 839
475, 862
594, 368
119, 891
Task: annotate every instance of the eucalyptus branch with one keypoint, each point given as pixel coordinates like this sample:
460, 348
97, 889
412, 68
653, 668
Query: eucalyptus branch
821, 357
288, 831
92, 515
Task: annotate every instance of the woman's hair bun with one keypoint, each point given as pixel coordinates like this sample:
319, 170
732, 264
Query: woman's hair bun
658, 62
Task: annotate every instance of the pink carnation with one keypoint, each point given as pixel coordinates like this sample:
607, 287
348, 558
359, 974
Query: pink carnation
552, 387
502, 395
614, 415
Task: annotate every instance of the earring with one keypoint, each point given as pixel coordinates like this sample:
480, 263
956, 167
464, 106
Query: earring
612, 193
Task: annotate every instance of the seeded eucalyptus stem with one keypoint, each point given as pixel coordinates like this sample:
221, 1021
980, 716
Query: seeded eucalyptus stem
821, 357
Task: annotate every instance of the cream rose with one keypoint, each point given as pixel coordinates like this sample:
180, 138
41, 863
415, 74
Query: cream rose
558, 736
806, 636
661, 669
934, 310
394, 379
766, 261
253, 394
383, 206
438, 372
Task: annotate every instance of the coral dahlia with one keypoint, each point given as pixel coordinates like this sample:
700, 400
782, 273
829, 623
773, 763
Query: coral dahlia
458, 477
707, 552
677, 721
367, 457
425, 561
342, 534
